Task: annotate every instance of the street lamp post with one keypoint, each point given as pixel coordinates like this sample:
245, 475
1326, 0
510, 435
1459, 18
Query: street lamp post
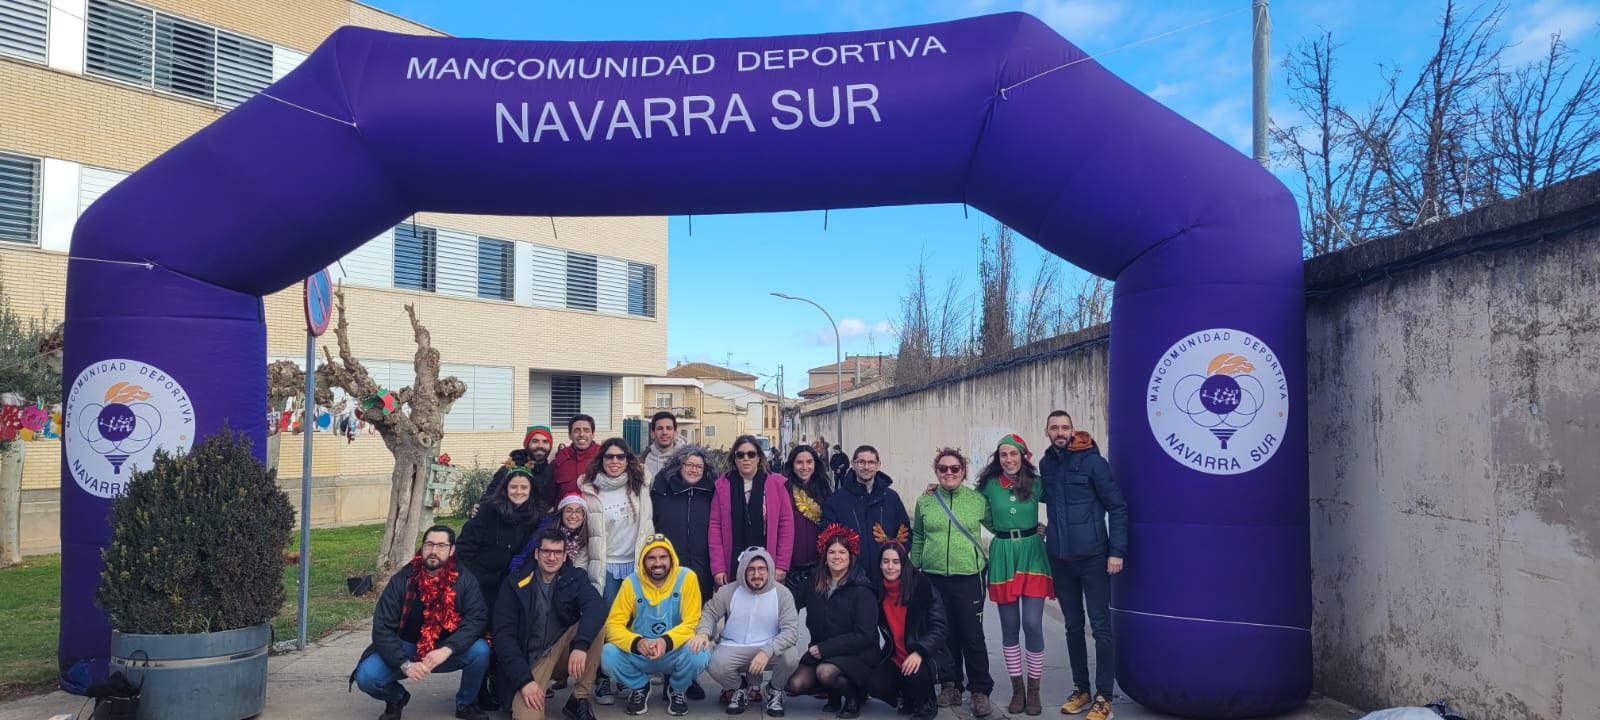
838, 367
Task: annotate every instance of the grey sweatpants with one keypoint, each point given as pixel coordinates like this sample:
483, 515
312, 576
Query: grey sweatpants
729, 662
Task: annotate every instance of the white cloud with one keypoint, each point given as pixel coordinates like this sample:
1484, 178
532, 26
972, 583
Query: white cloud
1164, 91
851, 328
1530, 37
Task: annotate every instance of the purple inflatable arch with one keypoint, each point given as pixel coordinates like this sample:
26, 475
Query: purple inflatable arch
1207, 381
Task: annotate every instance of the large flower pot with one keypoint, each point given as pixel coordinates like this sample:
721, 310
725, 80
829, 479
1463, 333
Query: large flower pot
219, 675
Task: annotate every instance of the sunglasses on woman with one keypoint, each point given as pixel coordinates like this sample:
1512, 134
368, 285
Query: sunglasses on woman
746, 455
614, 456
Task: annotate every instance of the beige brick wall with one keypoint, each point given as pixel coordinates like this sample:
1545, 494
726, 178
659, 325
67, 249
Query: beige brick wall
107, 124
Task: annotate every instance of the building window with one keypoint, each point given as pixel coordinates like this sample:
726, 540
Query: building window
153, 49
641, 289
19, 198
487, 404
582, 276
416, 257
566, 397
711, 431
24, 28
663, 399
496, 274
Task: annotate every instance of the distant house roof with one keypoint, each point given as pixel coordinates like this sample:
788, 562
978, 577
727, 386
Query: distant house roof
707, 370
849, 364
829, 389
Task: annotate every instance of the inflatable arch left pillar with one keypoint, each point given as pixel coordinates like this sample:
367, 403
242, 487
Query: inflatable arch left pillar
1214, 610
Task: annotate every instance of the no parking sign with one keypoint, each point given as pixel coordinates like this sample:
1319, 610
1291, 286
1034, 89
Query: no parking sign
319, 302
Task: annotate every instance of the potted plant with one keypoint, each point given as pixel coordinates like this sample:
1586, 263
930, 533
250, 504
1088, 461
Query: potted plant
193, 577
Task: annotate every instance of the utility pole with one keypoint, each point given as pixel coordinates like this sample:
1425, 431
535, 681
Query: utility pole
783, 435
1260, 57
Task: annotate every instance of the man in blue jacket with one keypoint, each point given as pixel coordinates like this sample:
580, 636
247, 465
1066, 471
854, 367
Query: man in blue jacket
1080, 493
867, 504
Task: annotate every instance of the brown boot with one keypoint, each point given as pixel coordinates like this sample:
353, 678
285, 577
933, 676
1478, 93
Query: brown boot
1034, 708
1017, 689
949, 695
981, 707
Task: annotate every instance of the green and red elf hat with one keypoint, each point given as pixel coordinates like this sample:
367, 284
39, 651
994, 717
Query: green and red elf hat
537, 430
1017, 442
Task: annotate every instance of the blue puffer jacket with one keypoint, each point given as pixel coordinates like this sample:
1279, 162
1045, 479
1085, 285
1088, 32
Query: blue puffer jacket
1080, 493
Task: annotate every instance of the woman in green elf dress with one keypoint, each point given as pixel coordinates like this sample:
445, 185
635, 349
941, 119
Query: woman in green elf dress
1019, 567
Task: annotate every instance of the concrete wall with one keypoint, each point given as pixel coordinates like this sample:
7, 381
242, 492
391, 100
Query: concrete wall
1454, 382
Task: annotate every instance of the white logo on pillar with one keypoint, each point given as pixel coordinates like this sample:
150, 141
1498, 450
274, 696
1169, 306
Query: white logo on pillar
1218, 402
118, 412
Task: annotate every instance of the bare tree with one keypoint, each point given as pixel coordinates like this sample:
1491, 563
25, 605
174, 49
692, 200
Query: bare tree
1043, 305
1089, 305
914, 358
1539, 130
1425, 169
411, 431
996, 269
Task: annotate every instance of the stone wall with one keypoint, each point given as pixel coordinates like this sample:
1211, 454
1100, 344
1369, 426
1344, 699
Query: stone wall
1454, 414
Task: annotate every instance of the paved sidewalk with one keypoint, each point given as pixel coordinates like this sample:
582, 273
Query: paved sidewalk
313, 685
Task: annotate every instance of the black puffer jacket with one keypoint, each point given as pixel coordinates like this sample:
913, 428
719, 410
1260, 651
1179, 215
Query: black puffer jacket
574, 602
844, 623
682, 512
1083, 500
386, 619
489, 541
927, 626
855, 508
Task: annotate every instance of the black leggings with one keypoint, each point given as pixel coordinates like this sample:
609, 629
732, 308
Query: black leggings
890, 685
839, 676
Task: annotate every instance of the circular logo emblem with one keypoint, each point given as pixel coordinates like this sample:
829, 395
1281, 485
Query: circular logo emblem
1218, 402
117, 413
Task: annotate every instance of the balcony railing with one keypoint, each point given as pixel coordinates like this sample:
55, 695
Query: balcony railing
683, 412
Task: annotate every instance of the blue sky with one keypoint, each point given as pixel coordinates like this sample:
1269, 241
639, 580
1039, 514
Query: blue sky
858, 266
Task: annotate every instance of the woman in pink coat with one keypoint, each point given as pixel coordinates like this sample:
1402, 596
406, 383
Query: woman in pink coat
750, 507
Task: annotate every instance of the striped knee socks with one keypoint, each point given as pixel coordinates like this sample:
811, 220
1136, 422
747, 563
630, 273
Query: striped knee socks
1035, 664
1013, 660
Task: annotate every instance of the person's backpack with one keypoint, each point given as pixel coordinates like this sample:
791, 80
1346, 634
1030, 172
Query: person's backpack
115, 698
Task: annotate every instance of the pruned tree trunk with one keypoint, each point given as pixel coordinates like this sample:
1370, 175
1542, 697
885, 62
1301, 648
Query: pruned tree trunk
411, 431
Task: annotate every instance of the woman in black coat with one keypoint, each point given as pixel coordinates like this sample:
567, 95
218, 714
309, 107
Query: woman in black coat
680, 501
842, 616
915, 629
497, 538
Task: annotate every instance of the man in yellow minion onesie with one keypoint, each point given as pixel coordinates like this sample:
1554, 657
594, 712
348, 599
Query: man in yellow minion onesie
648, 630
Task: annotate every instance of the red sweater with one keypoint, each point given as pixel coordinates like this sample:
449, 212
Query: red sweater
568, 465
895, 614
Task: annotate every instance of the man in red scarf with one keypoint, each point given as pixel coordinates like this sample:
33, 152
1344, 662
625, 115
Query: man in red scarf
430, 619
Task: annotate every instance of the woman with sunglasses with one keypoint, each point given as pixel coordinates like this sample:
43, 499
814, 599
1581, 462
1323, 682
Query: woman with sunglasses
619, 503
750, 508
807, 483
1019, 566
944, 545
914, 625
842, 618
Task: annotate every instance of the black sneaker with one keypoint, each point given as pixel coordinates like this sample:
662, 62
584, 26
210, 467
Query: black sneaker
927, 711
577, 709
602, 691
471, 712
736, 702
638, 700
774, 704
392, 710
677, 704
695, 691
851, 709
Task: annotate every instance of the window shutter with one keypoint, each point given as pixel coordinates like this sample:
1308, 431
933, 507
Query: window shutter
372, 264
416, 257
597, 400
582, 277
244, 68
460, 416
641, 289
19, 198
24, 28
566, 398
549, 277
496, 273
285, 60
492, 408
539, 411
186, 57
457, 272
94, 182
119, 43
611, 287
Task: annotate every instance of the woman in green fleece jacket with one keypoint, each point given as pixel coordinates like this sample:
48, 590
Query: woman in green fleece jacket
944, 545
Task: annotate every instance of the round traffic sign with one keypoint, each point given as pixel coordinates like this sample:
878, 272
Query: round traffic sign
319, 302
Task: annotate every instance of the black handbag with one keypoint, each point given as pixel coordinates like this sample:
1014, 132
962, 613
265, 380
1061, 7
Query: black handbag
115, 698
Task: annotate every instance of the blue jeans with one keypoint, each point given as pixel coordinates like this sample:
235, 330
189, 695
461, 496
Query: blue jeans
633, 671
378, 679
1081, 585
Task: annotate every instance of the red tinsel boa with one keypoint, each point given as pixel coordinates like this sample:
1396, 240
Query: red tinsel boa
438, 595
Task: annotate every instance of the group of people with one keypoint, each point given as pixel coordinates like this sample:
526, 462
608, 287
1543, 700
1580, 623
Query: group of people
674, 574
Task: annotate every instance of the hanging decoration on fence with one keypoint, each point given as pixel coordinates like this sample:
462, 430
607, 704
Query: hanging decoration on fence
1207, 426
